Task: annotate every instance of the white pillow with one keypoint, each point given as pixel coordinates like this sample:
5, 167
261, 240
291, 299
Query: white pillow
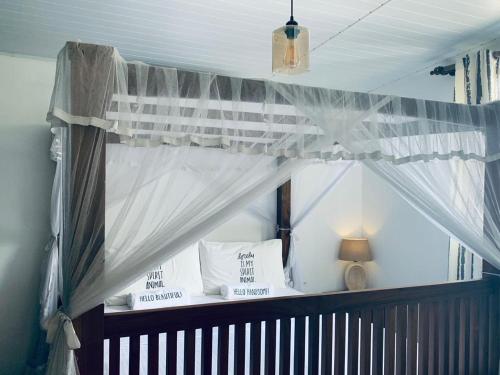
229, 263
182, 271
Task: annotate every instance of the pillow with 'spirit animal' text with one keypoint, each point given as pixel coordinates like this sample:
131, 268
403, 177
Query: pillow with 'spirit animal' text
229, 263
182, 271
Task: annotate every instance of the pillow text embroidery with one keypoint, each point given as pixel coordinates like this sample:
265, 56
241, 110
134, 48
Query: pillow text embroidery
247, 271
155, 279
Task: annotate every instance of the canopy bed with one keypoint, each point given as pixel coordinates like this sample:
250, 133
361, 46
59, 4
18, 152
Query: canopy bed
443, 158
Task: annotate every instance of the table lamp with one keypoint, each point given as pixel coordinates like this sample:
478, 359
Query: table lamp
355, 250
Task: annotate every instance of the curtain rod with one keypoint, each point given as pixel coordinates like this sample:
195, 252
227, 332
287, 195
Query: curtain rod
450, 69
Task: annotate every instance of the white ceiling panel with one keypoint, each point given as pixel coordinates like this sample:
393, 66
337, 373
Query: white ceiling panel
356, 44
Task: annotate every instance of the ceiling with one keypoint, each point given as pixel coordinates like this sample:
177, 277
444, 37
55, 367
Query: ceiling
358, 45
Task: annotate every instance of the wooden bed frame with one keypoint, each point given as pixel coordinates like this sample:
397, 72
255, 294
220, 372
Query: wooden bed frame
454, 325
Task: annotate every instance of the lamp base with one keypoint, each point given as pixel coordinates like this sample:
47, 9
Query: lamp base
355, 276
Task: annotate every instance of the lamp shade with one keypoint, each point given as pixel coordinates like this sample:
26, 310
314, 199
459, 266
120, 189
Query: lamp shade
291, 49
355, 249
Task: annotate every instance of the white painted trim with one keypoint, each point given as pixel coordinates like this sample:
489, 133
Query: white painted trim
167, 133
216, 123
221, 105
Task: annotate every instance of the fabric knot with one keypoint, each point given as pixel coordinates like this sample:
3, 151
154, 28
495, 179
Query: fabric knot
58, 322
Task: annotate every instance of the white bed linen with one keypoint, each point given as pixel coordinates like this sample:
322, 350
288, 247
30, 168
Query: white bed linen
199, 300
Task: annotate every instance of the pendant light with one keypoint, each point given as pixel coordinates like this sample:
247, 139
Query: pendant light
291, 47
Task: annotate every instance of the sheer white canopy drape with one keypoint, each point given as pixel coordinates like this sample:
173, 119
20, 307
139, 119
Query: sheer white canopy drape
268, 130
434, 154
50, 285
166, 207
154, 214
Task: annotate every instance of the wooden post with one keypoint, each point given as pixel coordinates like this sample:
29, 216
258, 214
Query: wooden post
283, 217
87, 147
84, 188
90, 330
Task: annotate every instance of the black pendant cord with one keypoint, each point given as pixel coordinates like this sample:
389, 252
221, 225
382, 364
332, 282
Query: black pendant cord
291, 21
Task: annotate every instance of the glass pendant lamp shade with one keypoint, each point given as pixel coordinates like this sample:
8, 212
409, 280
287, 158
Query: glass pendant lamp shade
291, 49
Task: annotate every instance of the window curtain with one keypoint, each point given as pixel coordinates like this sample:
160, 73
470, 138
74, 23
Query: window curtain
424, 150
476, 78
476, 82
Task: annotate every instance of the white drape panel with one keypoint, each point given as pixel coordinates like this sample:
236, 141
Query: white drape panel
425, 158
50, 286
157, 217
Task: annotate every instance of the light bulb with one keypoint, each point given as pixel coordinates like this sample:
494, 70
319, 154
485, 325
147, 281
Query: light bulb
291, 59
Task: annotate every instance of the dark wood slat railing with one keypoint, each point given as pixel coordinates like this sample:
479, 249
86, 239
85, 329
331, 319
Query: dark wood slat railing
448, 328
206, 352
171, 352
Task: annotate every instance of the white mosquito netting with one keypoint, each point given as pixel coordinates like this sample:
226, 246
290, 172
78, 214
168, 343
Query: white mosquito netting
244, 138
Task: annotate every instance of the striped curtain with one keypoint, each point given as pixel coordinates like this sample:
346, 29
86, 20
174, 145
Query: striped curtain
476, 82
476, 78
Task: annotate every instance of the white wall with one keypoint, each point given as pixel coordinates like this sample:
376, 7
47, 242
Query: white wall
422, 86
407, 248
256, 223
25, 184
338, 215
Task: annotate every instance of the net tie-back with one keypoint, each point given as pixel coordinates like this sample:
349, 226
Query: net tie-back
60, 321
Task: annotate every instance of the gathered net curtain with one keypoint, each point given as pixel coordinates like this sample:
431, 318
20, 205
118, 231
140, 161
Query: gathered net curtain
252, 135
175, 171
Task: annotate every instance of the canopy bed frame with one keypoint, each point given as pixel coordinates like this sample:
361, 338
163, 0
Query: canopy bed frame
453, 326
